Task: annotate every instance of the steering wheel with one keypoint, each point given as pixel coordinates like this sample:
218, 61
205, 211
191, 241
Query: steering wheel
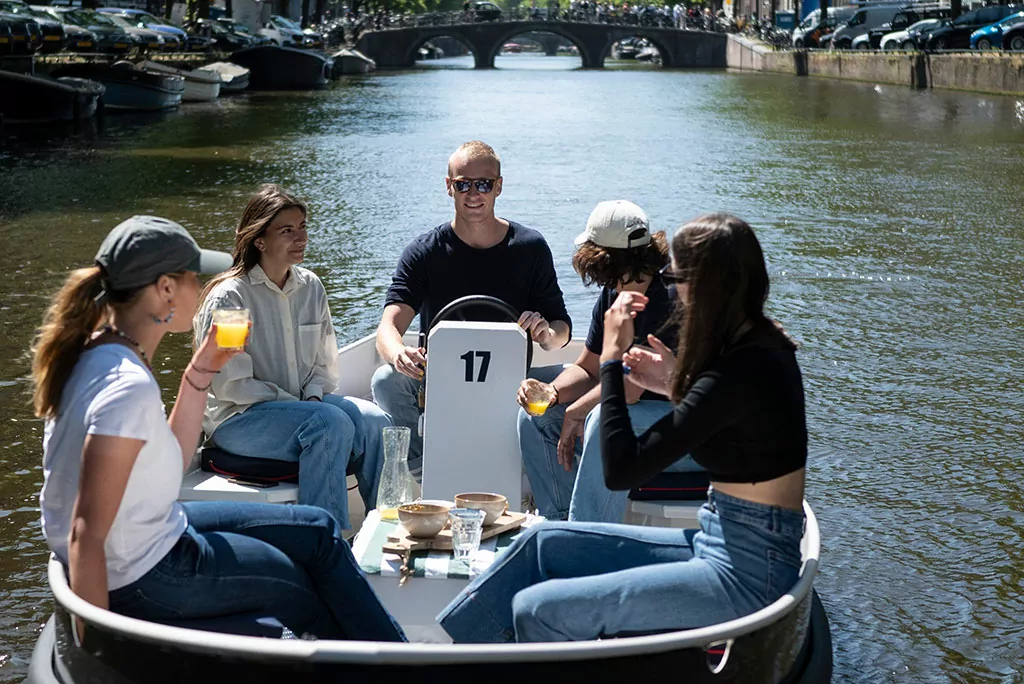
456, 310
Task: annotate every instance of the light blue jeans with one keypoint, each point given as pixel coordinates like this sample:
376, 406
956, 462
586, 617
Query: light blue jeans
580, 494
288, 562
396, 393
329, 439
564, 581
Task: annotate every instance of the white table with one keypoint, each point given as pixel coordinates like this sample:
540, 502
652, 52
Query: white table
437, 578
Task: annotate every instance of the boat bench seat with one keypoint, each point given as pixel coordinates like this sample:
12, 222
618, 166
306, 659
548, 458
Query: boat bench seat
222, 476
244, 624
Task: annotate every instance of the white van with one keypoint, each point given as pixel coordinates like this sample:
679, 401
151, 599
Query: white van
861, 22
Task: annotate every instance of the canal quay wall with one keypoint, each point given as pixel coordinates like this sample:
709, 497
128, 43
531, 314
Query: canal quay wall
986, 72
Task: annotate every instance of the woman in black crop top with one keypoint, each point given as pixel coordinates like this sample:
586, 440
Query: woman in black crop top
739, 412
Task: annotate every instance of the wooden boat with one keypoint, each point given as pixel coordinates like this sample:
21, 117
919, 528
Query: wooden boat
129, 87
273, 67
788, 641
233, 78
349, 61
201, 85
38, 99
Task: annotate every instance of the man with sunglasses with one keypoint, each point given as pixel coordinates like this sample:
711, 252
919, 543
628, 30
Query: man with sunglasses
476, 253
618, 252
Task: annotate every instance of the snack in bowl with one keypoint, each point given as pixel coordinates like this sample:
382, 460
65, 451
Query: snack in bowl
422, 519
491, 504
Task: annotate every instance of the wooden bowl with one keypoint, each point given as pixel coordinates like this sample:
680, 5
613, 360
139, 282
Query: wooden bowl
422, 519
491, 504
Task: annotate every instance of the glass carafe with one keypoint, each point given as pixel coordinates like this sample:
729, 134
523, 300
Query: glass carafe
397, 485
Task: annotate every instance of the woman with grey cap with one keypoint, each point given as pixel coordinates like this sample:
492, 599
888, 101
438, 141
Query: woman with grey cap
113, 461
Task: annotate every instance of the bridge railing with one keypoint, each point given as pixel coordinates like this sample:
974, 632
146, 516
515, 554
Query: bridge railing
647, 18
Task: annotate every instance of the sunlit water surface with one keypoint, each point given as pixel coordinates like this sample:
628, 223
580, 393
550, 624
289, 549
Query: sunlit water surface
891, 219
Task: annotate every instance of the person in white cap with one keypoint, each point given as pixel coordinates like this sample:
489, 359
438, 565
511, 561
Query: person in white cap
618, 252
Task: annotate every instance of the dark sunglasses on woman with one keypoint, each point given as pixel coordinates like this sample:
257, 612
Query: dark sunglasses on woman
483, 185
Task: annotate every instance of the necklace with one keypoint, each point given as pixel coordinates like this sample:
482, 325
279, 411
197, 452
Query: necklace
125, 336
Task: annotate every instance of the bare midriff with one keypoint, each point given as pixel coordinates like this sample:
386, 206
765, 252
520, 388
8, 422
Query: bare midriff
786, 491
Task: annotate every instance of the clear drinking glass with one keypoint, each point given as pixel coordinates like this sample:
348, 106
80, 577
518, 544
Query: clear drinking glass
539, 396
232, 327
397, 485
467, 525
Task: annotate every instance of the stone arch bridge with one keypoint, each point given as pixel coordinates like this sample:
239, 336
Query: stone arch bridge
398, 47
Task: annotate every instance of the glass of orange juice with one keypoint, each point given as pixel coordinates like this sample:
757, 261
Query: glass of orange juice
232, 327
539, 396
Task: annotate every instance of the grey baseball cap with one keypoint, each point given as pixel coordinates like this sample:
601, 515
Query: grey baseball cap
143, 248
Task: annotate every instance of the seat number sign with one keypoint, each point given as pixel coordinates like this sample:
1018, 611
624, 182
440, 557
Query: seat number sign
485, 362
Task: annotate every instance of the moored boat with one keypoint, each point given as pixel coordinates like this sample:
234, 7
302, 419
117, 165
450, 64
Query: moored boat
233, 78
349, 61
273, 67
201, 85
38, 99
129, 87
787, 641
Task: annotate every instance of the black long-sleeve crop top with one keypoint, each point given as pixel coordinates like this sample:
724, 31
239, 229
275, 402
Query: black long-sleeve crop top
743, 420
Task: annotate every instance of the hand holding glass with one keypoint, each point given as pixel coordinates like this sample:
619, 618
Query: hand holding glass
467, 525
539, 396
232, 327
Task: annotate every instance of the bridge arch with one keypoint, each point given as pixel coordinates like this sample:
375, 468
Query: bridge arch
451, 35
549, 27
659, 45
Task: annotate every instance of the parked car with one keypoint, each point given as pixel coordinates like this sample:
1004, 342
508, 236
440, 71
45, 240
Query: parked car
109, 36
143, 19
147, 40
6, 42
52, 31
810, 31
1013, 37
241, 29
283, 31
907, 38
991, 36
223, 38
903, 20
860, 23
957, 34
26, 34
486, 11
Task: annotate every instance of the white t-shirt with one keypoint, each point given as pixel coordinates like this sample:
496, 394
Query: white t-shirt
110, 392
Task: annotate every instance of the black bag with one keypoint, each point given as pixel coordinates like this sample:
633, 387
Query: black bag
216, 460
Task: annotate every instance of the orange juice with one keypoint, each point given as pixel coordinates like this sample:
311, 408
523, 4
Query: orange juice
232, 335
536, 408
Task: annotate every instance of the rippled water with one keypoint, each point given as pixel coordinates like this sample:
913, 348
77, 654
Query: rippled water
891, 219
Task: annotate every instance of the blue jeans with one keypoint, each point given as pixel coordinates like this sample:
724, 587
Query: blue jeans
577, 581
592, 501
286, 561
580, 494
396, 394
329, 439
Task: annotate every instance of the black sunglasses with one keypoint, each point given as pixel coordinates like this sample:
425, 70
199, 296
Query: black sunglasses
483, 185
670, 276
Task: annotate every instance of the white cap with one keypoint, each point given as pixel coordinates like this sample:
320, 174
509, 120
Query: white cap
617, 224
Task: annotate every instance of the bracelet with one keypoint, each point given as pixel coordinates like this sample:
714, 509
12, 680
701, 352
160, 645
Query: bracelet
194, 385
203, 370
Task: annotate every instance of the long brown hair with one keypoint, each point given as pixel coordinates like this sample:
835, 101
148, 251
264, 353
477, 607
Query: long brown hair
606, 266
263, 206
723, 266
74, 315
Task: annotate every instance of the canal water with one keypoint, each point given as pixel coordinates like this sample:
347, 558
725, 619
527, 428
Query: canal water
891, 219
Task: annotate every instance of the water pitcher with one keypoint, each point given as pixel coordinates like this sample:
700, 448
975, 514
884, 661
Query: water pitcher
397, 485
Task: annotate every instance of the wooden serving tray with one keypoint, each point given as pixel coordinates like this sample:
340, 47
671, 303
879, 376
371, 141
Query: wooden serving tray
401, 542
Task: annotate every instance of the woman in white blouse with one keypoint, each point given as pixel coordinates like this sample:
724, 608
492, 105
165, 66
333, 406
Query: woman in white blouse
275, 400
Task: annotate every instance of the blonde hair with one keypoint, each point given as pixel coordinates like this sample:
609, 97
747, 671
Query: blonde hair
263, 207
475, 149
